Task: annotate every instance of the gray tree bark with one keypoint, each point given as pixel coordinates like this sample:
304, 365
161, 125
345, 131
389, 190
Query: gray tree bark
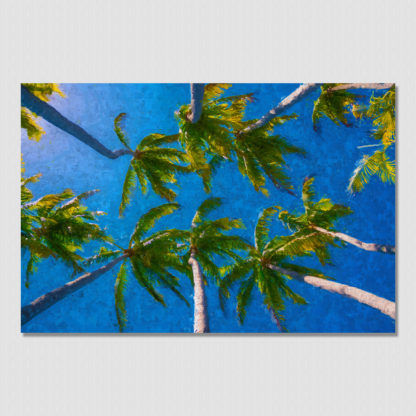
45, 301
47, 112
200, 301
288, 102
373, 86
383, 305
380, 248
197, 95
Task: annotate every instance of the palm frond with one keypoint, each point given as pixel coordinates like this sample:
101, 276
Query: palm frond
103, 256
119, 130
304, 270
261, 233
212, 91
383, 112
119, 290
377, 164
44, 90
244, 297
148, 220
308, 191
333, 104
140, 274
210, 204
28, 122
156, 139
128, 186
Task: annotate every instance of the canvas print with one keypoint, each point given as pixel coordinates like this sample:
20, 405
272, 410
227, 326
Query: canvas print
195, 208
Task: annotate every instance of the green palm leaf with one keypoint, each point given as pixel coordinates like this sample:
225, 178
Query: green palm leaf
148, 220
261, 233
205, 208
244, 298
140, 274
119, 290
119, 131
333, 104
129, 184
377, 164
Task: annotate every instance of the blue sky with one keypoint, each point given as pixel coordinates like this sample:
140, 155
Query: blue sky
332, 155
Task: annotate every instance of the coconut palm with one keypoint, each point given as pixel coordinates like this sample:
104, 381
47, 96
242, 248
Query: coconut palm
57, 226
34, 99
151, 258
260, 154
382, 110
316, 225
150, 163
203, 246
269, 266
254, 271
335, 102
42, 93
220, 134
210, 137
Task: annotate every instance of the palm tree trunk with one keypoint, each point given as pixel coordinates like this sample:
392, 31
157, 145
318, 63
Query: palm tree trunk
46, 111
288, 102
383, 305
373, 86
381, 248
197, 95
200, 300
302, 92
44, 302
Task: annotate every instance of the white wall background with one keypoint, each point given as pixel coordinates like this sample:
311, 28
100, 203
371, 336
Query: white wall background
191, 40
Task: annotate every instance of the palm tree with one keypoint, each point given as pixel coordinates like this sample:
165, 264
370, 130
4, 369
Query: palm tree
34, 99
254, 271
220, 134
28, 118
209, 140
268, 266
202, 246
335, 102
260, 154
301, 92
382, 110
56, 225
316, 224
150, 258
150, 163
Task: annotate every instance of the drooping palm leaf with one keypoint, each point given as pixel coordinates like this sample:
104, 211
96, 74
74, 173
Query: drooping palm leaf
58, 226
261, 233
119, 290
128, 186
119, 130
377, 164
333, 104
28, 118
148, 220
151, 164
205, 208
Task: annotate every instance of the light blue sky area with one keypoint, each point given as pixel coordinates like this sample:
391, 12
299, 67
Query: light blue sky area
332, 154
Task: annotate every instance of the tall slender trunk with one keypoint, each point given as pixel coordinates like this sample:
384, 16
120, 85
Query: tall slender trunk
381, 248
46, 111
357, 86
197, 95
200, 301
45, 301
288, 102
383, 305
